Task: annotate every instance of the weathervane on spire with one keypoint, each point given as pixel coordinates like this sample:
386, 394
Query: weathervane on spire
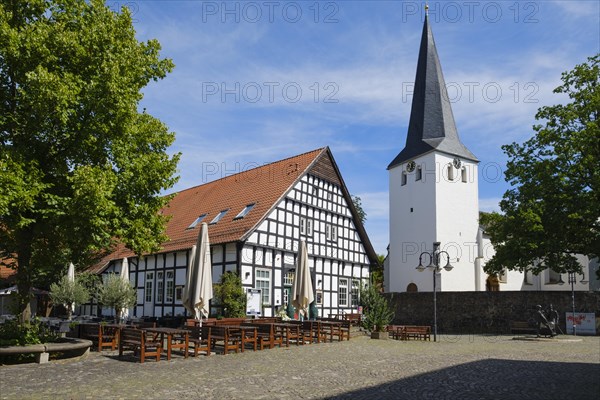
426, 9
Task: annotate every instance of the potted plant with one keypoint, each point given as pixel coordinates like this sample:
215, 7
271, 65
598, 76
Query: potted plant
68, 293
230, 295
377, 313
117, 294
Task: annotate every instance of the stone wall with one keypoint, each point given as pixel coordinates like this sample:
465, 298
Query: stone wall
486, 312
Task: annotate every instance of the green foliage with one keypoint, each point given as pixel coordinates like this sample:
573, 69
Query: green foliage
80, 167
377, 273
66, 292
14, 334
377, 313
117, 294
357, 202
89, 281
552, 211
230, 295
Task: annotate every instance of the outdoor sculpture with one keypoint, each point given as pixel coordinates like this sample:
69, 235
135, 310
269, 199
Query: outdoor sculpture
541, 321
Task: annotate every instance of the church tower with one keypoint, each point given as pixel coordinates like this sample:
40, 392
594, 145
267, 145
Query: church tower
433, 189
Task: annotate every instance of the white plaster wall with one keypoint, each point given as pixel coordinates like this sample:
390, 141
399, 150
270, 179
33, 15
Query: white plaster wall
457, 222
411, 232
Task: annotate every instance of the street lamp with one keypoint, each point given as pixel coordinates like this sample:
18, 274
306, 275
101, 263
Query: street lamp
434, 265
572, 282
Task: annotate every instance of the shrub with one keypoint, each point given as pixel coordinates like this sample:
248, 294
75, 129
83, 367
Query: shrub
377, 313
231, 296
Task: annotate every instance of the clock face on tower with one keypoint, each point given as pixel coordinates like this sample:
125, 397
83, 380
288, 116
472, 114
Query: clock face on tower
456, 162
410, 167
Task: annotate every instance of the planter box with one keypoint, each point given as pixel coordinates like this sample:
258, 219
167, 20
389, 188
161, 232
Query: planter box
379, 335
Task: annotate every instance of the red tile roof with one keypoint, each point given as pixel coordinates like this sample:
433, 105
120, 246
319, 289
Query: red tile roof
262, 186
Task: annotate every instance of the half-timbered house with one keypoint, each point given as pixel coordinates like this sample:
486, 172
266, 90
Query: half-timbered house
256, 220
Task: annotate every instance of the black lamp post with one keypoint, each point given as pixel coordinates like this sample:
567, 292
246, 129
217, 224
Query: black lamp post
572, 282
434, 265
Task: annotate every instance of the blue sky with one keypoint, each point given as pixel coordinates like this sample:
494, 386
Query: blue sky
258, 81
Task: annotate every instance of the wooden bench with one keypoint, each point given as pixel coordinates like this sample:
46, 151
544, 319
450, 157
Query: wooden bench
266, 334
353, 318
394, 331
408, 332
517, 327
223, 334
101, 335
336, 328
137, 341
199, 338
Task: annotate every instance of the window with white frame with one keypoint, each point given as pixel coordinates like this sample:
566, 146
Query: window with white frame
463, 174
263, 282
354, 294
331, 232
419, 173
170, 287
305, 226
149, 286
404, 178
288, 279
343, 292
159, 287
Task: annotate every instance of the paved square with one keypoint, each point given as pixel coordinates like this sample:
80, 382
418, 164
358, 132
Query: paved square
457, 367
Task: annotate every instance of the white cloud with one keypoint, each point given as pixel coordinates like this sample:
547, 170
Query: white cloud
490, 204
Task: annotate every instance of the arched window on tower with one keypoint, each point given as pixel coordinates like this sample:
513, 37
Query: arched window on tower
419, 174
463, 174
450, 173
403, 178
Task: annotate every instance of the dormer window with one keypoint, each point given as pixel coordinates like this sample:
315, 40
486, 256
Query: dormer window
196, 221
245, 211
218, 217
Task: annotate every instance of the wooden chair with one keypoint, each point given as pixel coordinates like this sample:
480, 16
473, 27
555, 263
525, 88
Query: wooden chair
137, 341
199, 338
101, 335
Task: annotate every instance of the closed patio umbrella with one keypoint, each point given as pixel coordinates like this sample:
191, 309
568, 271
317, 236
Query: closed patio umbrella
125, 278
71, 278
302, 291
199, 287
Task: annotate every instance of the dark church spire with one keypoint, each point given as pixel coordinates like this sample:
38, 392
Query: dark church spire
431, 125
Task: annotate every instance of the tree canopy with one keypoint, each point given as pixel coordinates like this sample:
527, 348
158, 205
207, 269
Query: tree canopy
80, 166
552, 211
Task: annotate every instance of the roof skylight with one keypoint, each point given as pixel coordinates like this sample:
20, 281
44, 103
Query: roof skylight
196, 221
245, 211
218, 217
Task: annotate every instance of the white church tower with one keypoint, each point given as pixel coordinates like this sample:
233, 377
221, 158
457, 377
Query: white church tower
433, 190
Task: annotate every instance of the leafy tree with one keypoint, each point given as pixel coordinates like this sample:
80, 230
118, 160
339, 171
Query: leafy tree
377, 273
67, 293
80, 167
117, 294
552, 211
377, 313
230, 295
357, 202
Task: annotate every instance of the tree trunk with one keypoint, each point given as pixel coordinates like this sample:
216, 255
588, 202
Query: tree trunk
24, 283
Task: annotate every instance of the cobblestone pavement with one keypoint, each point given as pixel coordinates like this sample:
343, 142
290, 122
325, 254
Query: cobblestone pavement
457, 367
